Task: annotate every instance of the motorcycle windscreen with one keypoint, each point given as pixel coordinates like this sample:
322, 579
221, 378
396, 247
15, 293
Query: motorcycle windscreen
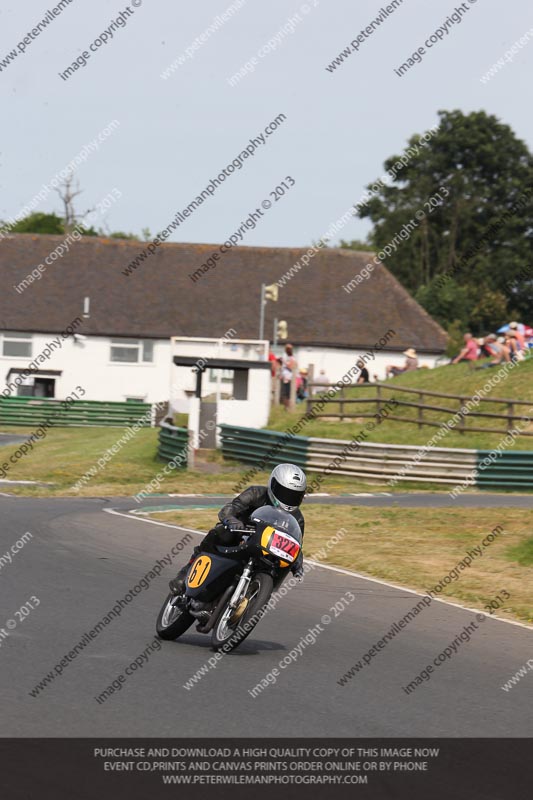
209, 575
279, 533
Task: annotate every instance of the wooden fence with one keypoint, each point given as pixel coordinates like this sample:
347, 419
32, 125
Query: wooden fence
385, 392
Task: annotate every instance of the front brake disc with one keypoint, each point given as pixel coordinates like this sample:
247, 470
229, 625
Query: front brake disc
239, 611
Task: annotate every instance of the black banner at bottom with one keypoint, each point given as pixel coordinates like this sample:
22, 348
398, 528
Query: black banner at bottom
137, 769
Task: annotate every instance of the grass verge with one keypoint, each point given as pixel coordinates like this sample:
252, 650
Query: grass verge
453, 379
417, 548
66, 454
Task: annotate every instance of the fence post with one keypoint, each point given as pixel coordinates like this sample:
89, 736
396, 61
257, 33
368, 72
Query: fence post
310, 378
341, 403
378, 400
462, 426
510, 407
421, 411
292, 401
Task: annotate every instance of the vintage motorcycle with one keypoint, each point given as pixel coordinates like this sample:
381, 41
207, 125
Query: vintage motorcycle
227, 592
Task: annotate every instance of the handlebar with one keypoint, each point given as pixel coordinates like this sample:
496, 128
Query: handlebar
246, 529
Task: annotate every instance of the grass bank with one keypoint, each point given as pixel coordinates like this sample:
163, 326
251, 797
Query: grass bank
66, 454
417, 548
457, 379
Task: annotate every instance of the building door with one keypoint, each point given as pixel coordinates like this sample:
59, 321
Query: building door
44, 387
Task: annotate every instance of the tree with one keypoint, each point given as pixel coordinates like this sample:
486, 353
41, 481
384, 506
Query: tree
489, 307
456, 331
67, 193
358, 245
37, 223
53, 224
480, 231
445, 303
122, 235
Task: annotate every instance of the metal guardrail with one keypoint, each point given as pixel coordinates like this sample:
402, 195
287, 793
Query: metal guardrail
504, 470
382, 462
262, 447
379, 462
32, 412
174, 445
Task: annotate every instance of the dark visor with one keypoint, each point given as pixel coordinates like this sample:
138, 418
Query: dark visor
290, 497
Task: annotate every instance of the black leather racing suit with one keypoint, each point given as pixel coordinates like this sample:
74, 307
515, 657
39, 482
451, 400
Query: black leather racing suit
241, 508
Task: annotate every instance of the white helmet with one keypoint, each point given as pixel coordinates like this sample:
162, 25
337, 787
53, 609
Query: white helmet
286, 486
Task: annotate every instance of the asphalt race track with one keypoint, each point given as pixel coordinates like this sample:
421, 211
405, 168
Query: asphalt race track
81, 560
379, 500
11, 438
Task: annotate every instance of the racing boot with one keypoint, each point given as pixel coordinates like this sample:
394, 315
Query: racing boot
177, 584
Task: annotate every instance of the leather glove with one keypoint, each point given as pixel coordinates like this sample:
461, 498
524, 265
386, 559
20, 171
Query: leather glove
233, 522
299, 573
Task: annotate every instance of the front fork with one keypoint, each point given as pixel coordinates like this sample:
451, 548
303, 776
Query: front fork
242, 586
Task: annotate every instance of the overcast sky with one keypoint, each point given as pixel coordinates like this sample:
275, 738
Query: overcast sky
176, 134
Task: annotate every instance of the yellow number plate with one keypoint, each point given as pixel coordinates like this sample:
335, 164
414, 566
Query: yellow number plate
199, 572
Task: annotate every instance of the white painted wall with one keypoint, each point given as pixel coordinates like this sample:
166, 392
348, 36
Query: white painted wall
337, 362
251, 413
87, 363
184, 379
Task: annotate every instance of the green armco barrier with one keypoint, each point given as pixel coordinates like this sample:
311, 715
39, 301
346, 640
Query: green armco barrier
511, 469
173, 444
31, 412
380, 462
260, 447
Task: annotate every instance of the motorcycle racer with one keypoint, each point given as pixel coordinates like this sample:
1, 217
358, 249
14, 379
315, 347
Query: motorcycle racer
286, 489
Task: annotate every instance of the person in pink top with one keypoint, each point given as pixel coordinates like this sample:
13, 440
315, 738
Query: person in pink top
519, 336
469, 351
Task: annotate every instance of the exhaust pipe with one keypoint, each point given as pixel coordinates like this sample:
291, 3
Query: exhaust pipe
213, 619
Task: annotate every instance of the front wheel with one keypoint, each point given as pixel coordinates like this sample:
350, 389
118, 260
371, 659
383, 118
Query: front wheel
172, 620
235, 624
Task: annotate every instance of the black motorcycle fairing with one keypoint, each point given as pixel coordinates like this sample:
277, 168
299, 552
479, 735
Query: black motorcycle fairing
277, 518
269, 550
209, 575
268, 521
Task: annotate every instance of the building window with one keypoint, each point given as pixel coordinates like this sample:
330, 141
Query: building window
148, 350
226, 375
17, 345
132, 351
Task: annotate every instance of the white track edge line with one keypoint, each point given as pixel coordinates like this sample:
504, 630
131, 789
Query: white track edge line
337, 569
152, 521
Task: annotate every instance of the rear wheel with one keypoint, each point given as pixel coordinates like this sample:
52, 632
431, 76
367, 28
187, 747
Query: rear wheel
172, 620
235, 624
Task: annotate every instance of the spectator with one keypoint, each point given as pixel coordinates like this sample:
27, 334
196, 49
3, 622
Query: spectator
363, 376
288, 369
484, 348
520, 338
498, 351
511, 342
321, 383
273, 364
411, 363
301, 386
470, 350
